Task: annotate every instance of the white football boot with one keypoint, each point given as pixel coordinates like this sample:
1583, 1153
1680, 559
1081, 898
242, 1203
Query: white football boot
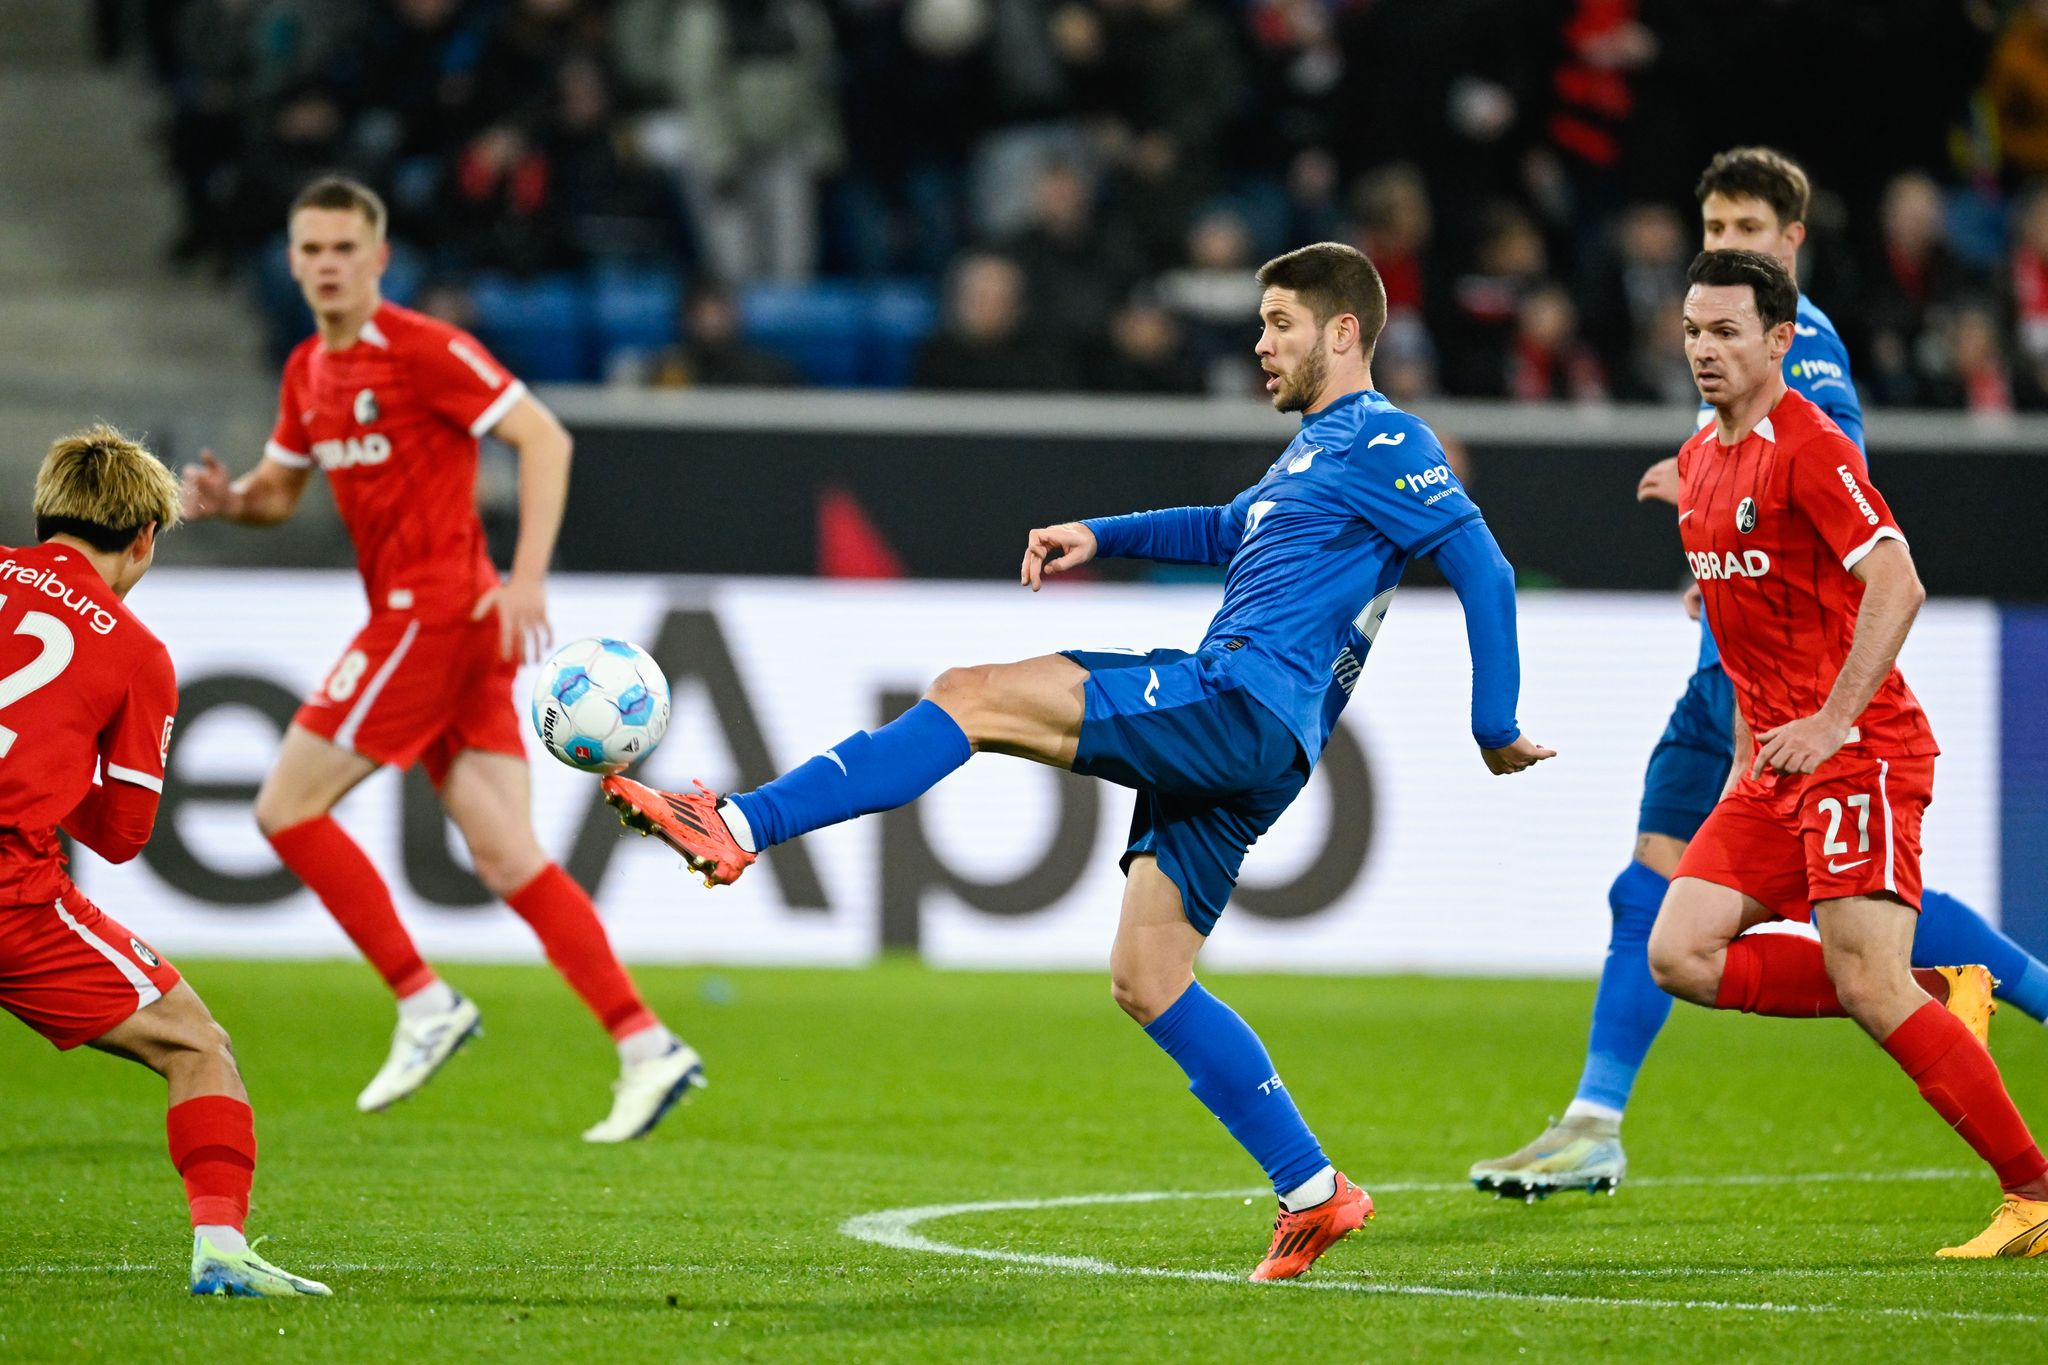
647, 1090
418, 1048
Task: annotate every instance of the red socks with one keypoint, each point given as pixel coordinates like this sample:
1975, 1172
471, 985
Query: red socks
213, 1145
337, 870
1782, 975
573, 937
1959, 1080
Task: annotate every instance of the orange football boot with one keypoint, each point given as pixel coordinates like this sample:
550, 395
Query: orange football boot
1300, 1237
687, 822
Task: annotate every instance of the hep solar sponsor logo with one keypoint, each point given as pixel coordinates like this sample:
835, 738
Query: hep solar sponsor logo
1707, 565
1816, 369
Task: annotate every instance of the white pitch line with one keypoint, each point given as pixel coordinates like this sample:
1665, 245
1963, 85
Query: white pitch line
897, 1229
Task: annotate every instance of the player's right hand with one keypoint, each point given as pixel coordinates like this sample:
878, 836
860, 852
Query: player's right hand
1660, 482
204, 490
1055, 549
1692, 600
1523, 753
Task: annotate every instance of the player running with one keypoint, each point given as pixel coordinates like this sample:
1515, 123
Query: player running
1812, 590
391, 404
87, 686
1216, 742
1752, 198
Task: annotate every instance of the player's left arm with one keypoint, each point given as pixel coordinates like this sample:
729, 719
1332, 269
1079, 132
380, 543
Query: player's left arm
1480, 574
1853, 520
118, 814
544, 448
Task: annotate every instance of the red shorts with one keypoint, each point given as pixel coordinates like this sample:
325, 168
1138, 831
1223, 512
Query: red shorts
1850, 829
71, 973
408, 692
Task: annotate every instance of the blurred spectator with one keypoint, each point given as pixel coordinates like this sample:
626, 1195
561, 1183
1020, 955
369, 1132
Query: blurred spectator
1217, 299
984, 344
1659, 372
1978, 377
2017, 86
1393, 227
1313, 211
1914, 279
412, 80
2030, 276
1596, 94
450, 301
1511, 260
612, 205
1404, 362
1144, 354
500, 207
304, 135
754, 80
1549, 361
713, 354
1075, 267
1632, 294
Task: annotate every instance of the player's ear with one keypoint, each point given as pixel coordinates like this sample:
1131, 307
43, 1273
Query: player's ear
1796, 235
144, 544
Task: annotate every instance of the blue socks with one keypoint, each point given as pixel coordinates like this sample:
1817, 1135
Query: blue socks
1950, 934
869, 771
1630, 1008
1229, 1071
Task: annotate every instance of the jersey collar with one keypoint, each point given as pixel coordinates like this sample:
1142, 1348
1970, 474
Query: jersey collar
1339, 404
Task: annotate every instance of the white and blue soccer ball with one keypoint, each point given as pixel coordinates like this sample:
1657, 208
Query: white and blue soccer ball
600, 705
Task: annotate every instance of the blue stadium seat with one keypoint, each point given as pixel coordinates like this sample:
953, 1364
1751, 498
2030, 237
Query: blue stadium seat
819, 328
901, 315
540, 328
634, 311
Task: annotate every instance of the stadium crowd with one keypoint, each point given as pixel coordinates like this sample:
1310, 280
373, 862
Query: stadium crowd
1057, 194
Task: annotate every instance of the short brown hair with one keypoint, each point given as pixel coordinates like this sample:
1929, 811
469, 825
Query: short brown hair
340, 192
1332, 278
1759, 173
1777, 298
100, 486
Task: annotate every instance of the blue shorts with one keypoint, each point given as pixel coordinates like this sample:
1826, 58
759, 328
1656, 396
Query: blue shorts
1690, 764
1213, 767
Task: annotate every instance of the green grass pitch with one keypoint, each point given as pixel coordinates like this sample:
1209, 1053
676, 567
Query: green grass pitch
1788, 1188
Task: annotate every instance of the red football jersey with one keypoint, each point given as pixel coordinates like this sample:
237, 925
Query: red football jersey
394, 420
1772, 529
83, 684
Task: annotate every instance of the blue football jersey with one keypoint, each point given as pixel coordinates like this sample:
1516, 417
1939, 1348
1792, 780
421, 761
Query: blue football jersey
1315, 549
1818, 367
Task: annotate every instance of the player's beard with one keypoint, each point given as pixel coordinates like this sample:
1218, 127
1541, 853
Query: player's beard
1300, 388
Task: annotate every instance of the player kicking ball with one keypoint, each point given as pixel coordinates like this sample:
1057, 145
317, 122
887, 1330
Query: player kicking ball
1217, 742
87, 687
1811, 591
391, 403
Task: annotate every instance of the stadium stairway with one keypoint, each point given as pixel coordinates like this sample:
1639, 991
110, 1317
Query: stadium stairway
92, 323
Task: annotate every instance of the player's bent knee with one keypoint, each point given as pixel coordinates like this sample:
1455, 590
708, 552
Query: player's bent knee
961, 693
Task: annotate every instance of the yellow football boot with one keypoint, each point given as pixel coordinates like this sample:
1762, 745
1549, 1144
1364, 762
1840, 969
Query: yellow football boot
2019, 1228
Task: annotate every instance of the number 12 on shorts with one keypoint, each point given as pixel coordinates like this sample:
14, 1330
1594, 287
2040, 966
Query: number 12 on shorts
1832, 808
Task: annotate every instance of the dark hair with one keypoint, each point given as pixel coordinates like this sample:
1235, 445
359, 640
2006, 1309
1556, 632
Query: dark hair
1758, 173
340, 192
1332, 278
1777, 298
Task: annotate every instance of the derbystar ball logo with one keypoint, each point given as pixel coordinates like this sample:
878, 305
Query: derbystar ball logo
1706, 565
1856, 492
356, 450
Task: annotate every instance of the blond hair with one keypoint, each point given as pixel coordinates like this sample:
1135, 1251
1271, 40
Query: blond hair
100, 486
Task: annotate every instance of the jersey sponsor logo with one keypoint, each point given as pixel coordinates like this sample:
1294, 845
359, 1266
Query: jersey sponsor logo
1745, 515
1706, 565
1387, 438
1300, 463
46, 582
476, 362
355, 450
1436, 476
366, 407
1816, 369
142, 950
1856, 492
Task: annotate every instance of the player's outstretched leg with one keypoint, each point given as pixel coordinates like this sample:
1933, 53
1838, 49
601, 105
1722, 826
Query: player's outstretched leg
1582, 1151
1031, 709
1949, 931
310, 776
1868, 941
487, 796
212, 1137
1229, 1071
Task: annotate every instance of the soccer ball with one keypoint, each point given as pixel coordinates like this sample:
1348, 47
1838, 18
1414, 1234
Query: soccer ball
600, 705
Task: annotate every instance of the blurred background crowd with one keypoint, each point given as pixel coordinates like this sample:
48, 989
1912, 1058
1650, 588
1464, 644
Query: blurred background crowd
1072, 194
